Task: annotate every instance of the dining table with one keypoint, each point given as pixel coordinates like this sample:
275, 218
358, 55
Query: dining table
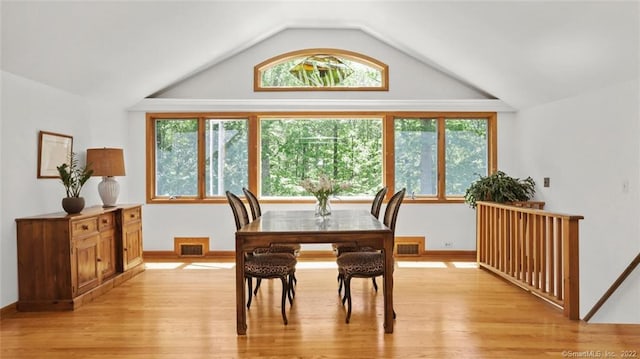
304, 226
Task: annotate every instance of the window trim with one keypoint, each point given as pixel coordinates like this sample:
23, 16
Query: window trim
253, 128
351, 55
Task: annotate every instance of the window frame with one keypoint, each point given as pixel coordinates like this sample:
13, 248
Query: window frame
351, 55
253, 128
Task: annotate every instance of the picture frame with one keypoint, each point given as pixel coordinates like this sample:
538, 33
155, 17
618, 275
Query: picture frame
54, 149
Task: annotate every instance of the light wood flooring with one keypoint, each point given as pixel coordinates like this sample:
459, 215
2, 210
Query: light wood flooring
187, 311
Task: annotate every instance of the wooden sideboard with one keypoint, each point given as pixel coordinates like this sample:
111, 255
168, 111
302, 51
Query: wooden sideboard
66, 260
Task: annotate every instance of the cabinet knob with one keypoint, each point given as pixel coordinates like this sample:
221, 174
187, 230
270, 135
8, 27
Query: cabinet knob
132, 215
98, 260
105, 221
84, 226
124, 249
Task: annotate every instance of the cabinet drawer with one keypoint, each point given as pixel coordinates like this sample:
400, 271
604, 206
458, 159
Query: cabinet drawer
131, 215
84, 227
106, 221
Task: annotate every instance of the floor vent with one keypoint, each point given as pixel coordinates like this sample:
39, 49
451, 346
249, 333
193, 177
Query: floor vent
407, 249
191, 247
409, 246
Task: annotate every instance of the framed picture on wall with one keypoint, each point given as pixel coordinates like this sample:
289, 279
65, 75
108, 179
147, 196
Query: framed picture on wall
54, 149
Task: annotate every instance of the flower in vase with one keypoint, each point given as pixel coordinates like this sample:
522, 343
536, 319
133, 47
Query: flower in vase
322, 189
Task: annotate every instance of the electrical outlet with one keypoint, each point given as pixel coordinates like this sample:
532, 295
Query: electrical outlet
448, 244
547, 181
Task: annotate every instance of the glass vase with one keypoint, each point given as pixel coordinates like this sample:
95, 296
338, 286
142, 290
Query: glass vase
323, 207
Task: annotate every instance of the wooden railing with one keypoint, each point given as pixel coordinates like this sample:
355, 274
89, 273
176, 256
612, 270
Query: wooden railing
532, 248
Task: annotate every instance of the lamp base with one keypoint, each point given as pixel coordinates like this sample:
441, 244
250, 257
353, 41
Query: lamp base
109, 189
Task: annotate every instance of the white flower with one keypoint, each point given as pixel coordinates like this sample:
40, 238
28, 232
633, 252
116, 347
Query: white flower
323, 187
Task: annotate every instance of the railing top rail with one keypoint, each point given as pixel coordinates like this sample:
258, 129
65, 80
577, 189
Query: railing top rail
529, 210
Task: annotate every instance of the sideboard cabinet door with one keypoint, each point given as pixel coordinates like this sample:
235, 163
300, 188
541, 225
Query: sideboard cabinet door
84, 268
132, 237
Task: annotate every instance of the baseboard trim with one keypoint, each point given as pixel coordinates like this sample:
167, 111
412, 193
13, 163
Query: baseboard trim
173, 256
449, 256
442, 256
9, 310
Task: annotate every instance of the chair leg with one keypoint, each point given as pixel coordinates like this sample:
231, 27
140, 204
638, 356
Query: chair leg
258, 281
249, 285
285, 290
375, 285
347, 290
344, 297
340, 281
291, 292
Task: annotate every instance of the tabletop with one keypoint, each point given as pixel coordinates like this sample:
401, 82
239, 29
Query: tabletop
306, 221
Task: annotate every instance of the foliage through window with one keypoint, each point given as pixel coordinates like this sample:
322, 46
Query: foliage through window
344, 149
416, 155
177, 153
321, 69
197, 157
466, 153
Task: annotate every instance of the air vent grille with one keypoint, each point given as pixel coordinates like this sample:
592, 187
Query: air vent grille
409, 246
408, 249
191, 250
191, 247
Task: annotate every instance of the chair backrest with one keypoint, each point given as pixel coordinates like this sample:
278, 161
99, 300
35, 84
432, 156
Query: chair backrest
239, 210
393, 207
377, 202
253, 203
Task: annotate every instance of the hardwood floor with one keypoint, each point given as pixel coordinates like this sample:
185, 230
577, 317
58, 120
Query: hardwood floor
188, 312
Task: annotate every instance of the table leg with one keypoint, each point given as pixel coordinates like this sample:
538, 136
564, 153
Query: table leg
241, 314
388, 286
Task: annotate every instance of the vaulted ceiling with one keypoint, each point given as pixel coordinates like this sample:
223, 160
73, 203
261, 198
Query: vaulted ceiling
523, 52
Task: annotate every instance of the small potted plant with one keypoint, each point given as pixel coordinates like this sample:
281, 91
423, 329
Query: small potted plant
500, 188
73, 177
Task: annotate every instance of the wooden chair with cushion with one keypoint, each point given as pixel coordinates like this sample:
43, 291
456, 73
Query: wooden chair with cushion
294, 249
368, 264
256, 212
264, 266
339, 248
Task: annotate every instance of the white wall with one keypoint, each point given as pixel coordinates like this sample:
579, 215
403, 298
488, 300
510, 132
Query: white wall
589, 147
408, 78
28, 107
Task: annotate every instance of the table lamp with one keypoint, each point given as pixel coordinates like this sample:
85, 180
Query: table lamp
108, 163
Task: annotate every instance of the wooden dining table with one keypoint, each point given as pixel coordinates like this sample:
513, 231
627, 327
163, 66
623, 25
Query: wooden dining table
351, 226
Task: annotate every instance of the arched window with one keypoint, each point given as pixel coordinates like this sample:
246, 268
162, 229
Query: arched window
321, 70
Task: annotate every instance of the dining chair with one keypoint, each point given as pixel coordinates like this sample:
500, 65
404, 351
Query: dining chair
293, 248
256, 211
368, 264
267, 265
339, 248
254, 204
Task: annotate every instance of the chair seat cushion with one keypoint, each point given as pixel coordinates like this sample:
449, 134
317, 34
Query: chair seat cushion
293, 248
355, 264
270, 265
340, 248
